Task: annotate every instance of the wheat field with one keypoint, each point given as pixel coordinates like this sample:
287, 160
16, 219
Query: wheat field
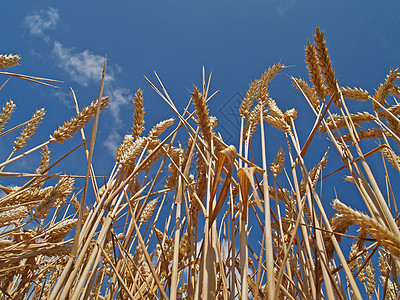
238, 226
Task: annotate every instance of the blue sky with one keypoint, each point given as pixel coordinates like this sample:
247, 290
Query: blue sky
237, 40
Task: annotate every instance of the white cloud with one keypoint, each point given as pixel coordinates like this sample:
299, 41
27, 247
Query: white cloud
42, 21
284, 7
83, 67
86, 68
118, 97
65, 98
112, 142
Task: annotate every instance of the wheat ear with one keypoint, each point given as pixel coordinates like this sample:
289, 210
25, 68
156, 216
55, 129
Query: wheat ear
247, 101
5, 115
29, 129
314, 71
384, 88
138, 115
199, 102
71, 127
382, 235
326, 65
8, 61
355, 93
308, 92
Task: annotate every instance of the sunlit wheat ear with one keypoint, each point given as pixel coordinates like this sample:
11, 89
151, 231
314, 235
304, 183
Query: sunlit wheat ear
253, 121
384, 89
60, 230
370, 284
56, 197
338, 121
391, 157
289, 115
29, 129
194, 206
5, 114
148, 211
354, 263
395, 91
13, 214
274, 110
5, 243
201, 169
326, 65
71, 127
339, 225
8, 61
44, 160
277, 165
367, 134
247, 101
158, 129
278, 123
395, 109
168, 250
382, 235
176, 156
186, 153
199, 102
266, 78
355, 93
314, 71
129, 149
31, 195
384, 267
138, 115
309, 93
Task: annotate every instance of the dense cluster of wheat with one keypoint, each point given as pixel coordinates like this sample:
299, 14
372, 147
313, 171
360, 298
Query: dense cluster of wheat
132, 242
